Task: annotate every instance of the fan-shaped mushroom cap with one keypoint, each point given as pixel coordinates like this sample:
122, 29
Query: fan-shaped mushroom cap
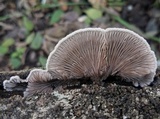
98, 53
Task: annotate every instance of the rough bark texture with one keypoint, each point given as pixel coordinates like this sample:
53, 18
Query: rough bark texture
113, 100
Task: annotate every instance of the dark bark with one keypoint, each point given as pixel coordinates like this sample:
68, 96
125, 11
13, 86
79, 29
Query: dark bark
74, 83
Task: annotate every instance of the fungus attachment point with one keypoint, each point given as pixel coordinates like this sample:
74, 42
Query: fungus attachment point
96, 53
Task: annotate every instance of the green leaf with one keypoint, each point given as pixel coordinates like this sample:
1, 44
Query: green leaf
56, 16
28, 24
3, 50
14, 54
37, 42
15, 63
21, 49
93, 13
18, 53
77, 9
3, 18
55, 1
30, 38
8, 42
42, 61
88, 21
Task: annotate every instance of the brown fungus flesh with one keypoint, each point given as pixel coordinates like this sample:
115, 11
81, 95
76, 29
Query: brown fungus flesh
96, 53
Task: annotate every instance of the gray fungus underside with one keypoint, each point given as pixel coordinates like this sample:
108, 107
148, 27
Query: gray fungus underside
97, 53
100, 54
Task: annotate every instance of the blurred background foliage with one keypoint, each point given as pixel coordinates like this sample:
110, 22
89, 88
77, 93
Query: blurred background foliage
29, 29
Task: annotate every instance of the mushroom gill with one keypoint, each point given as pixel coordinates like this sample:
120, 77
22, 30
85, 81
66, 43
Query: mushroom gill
96, 53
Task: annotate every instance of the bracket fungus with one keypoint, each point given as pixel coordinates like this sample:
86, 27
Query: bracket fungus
95, 53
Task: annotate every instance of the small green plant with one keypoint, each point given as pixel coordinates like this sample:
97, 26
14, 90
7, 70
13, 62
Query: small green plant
56, 16
28, 24
16, 56
30, 38
15, 63
92, 14
36, 42
42, 61
4, 47
18, 53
